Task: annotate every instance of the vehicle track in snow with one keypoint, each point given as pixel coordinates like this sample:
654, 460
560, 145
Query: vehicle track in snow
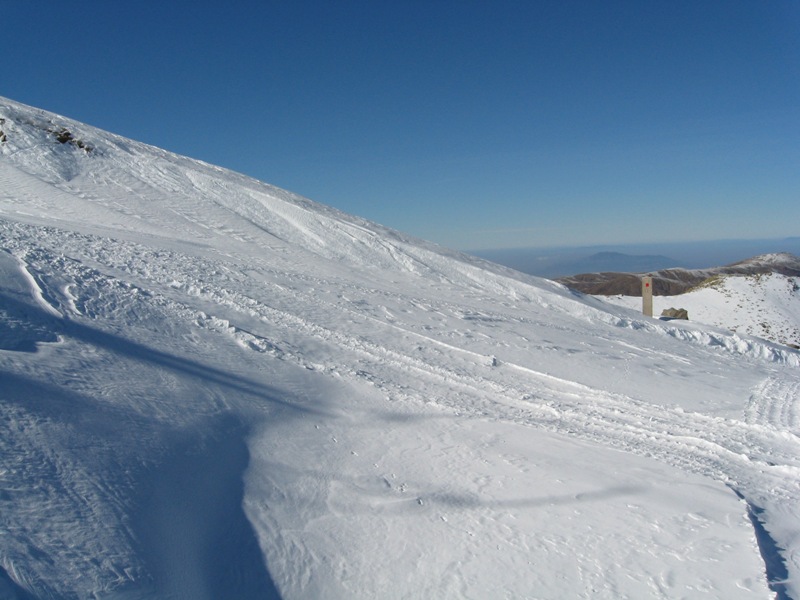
759, 456
559, 404
775, 403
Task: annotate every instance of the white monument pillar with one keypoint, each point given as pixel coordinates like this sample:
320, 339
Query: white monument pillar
647, 296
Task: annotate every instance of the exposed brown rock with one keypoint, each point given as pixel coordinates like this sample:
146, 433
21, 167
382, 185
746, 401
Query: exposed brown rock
675, 313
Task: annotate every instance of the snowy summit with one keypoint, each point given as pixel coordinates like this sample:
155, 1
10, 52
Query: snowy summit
214, 388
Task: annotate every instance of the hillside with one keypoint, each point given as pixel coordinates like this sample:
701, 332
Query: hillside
763, 305
214, 388
671, 282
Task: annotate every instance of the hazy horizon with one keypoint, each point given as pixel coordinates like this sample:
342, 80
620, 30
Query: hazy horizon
559, 261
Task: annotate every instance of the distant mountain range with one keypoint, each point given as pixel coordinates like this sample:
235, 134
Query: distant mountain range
561, 262
556, 262
674, 281
631, 263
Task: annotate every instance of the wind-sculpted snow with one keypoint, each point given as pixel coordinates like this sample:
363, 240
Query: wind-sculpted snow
726, 341
212, 387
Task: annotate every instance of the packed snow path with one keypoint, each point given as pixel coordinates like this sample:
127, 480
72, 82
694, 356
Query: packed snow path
212, 385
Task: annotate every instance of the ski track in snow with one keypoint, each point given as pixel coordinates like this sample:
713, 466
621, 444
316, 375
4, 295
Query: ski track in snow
302, 292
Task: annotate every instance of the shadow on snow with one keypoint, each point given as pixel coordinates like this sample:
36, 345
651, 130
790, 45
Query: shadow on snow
185, 488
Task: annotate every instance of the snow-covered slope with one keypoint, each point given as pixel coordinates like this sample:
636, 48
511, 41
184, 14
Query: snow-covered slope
763, 305
215, 388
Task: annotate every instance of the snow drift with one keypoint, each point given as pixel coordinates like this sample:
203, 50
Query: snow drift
213, 388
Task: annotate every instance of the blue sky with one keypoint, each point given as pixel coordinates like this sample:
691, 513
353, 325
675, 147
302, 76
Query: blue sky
472, 124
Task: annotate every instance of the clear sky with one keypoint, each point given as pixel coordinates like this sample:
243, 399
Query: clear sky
474, 124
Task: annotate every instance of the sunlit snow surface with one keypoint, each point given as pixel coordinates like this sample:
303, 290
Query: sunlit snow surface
764, 305
214, 388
